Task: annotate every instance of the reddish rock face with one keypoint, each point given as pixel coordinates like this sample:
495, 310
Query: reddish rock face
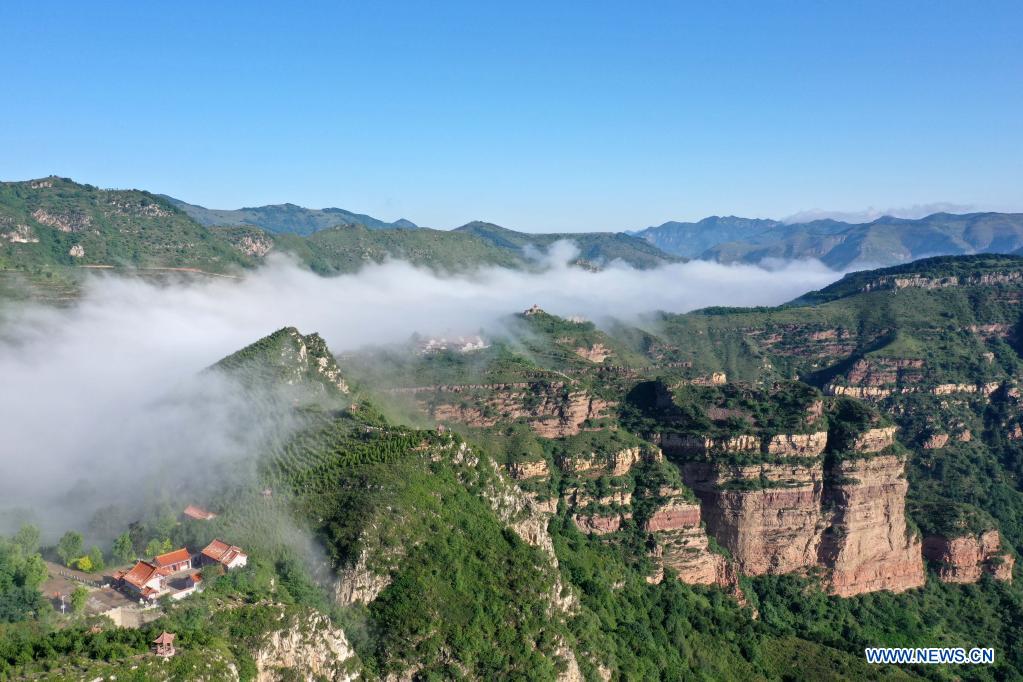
935, 441
868, 547
782, 518
674, 516
774, 529
683, 546
884, 371
965, 559
551, 411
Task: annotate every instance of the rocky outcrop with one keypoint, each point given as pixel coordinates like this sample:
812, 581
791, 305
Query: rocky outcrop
309, 648
683, 545
949, 389
767, 515
253, 245
803, 445
17, 233
617, 463
599, 524
358, 583
965, 559
794, 444
874, 440
777, 517
860, 392
522, 471
885, 371
675, 515
935, 441
597, 353
65, 221
867, 546
923, 282
688, 445
552, 409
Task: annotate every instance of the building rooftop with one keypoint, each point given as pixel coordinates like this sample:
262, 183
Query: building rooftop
222, 552
175, 557
198, 513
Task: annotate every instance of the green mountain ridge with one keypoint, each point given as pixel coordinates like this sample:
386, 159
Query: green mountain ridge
284, 218
50, 228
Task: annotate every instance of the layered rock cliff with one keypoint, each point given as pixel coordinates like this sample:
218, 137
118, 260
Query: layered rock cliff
683, 545
767, 515
868, 546
965, 559
553, 410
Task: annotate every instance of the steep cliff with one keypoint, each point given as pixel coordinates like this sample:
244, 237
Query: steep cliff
767, 515
683, 545
868, 546
966, 558
308, 647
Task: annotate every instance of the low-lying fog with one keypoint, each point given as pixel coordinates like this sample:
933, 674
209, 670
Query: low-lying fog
101, 396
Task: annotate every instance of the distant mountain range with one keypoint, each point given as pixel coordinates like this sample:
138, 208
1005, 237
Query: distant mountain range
885, 241
54, 222
285, 218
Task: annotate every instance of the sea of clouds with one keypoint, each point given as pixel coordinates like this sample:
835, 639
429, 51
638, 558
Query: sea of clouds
101, 395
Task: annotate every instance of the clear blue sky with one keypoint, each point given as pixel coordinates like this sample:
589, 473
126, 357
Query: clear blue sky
538, 116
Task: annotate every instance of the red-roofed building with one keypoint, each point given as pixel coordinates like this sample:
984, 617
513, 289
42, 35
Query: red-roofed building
175, 561
228, 556
198, 513
145, 580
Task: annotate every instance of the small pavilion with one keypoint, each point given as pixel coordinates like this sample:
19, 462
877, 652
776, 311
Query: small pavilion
164, 644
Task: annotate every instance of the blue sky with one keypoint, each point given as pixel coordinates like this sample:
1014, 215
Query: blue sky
538, 116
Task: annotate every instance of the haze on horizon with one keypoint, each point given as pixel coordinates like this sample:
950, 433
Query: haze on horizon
537, 116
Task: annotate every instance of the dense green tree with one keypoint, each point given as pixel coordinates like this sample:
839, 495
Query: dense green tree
79, 597
27, 538
123, 551
70, 547
96, 558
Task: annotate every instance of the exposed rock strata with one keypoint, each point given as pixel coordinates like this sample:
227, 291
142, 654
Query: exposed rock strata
552, 410
767, 515
965, 559
683, 545
868, 546
359, 584
522, 471
792, 517
617, 463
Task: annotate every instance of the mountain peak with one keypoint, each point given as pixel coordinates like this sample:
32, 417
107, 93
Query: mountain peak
287, 358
